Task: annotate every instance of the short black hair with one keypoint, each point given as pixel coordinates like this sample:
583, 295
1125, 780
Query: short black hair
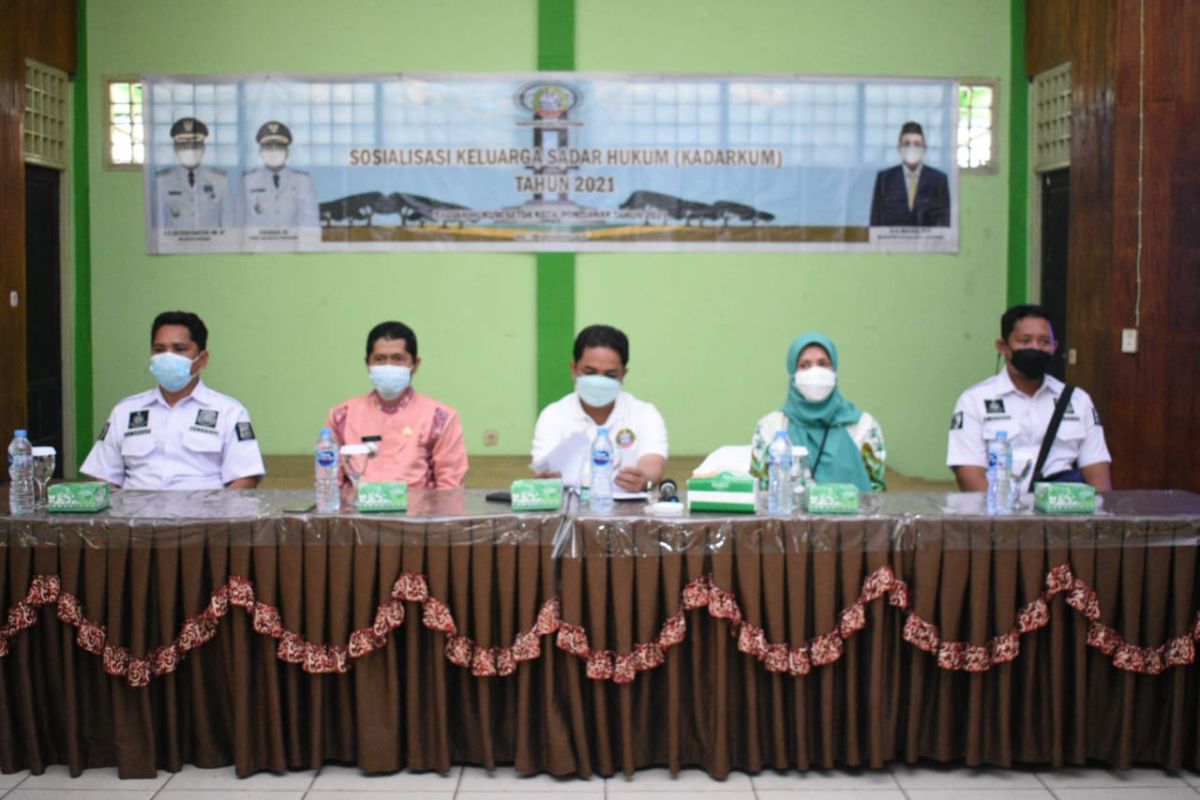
602, 336
911, 127
187, 319
1018, 313
394, 331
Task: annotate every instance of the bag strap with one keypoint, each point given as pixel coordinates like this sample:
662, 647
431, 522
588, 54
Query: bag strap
1060, 408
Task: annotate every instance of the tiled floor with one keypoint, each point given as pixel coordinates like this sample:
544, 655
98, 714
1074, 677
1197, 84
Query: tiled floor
471, 783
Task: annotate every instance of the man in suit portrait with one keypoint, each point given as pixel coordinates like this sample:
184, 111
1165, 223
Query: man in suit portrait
911, 193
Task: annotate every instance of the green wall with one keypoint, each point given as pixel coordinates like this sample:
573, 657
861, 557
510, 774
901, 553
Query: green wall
708, 332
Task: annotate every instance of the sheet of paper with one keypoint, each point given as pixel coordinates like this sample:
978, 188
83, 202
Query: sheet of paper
568, 459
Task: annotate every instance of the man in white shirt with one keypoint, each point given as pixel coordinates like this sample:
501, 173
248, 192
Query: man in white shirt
1020, 401
181, 435
601, 358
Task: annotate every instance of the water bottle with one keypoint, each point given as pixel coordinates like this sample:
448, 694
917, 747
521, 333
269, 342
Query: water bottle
329, 499
600, 493
779, 475
800, 477
999, 474
20, 472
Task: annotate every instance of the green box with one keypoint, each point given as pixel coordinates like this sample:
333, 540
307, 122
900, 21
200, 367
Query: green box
84, 497
537, 494
725, 491
382, 496
833, 498
1064, 498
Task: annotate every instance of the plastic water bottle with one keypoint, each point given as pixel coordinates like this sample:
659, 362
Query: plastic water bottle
329, 499
20, 472
600, 493
779, 475
999, 474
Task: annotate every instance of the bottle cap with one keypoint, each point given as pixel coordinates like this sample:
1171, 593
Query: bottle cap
602, 430
326, 432
19, 433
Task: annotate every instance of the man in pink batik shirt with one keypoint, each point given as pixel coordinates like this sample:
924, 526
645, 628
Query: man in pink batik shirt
418, 440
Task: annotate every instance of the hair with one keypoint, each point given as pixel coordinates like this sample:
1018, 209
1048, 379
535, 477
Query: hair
912, 127
394, 331
602, 336
187, 319
1018, 313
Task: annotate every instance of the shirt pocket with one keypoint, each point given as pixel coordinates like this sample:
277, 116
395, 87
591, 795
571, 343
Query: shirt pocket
137, 446
207, 444
992, 427
1072, 431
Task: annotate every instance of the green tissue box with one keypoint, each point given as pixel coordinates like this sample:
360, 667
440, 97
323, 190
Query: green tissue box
382, 496
1064, 498
537, 494
80, 497
725, 491
833, 498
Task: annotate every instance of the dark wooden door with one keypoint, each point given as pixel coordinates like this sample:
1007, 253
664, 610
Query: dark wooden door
43, 310
1056, 216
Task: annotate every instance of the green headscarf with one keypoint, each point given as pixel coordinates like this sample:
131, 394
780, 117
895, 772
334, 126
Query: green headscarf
841, 461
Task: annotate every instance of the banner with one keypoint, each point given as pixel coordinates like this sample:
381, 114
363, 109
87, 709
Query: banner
549, 161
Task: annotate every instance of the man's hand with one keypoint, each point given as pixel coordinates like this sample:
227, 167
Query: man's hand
971, 479
244, 483
547, 474
631, 479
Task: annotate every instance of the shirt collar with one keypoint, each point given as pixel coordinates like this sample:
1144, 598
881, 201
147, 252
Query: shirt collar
400, 403
1050, 384
581, 413
201, 394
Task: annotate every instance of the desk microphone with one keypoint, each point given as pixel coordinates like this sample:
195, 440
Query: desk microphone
668, 491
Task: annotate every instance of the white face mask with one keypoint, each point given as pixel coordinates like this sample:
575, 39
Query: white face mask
912, 154
597, 390
190, 156
273, 157
390, 380
815, 384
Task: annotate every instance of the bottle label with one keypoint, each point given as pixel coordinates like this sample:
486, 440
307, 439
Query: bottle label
326, 458
601, 458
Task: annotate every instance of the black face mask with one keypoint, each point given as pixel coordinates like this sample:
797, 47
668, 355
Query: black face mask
1031, 362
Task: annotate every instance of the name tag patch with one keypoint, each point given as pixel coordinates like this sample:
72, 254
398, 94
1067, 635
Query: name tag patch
993, 406
139, 419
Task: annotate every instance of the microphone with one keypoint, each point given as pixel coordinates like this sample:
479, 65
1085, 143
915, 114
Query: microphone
668, 491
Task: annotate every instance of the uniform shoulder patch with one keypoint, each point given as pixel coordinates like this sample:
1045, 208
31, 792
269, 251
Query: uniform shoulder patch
1096, 416
956, 421
245, 432
103, 432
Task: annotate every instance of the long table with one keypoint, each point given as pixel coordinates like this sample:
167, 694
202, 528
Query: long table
216, 628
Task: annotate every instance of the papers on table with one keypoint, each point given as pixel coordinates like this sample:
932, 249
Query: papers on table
568, 459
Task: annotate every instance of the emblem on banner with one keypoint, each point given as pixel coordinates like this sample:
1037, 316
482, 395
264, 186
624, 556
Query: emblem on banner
548, 100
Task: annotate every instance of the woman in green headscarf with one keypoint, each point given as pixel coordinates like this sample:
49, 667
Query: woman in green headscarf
845, 443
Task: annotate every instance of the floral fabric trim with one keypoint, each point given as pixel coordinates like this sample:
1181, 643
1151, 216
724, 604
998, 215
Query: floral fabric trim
796, 659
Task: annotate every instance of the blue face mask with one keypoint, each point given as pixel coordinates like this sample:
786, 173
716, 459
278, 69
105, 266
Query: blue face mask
390, 379
597, 390
171, 370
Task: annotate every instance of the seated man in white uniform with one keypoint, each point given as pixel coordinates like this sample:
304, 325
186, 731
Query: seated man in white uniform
181, 435
1020, 401
601, 359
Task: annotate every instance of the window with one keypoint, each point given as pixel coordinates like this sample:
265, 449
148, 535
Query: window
125, 142
1052, 119
977, 109
45, 115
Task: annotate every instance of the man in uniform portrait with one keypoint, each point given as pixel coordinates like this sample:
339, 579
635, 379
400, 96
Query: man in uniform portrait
277, 196
190, 196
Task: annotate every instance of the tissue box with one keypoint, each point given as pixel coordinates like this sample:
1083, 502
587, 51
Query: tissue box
537, 494
83, 497
382, 496
1064, 498
725, 491
833, 498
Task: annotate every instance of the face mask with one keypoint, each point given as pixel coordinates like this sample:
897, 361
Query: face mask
273, 157
912, 155
171, 370
597, 390
815, 383
190, 156
390, 379
1031, 362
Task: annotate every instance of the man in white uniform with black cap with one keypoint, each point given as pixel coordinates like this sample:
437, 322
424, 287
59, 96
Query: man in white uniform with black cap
276, 196
181, 434
190, 196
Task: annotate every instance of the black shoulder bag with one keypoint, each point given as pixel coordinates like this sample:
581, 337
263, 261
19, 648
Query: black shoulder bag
1060, 408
